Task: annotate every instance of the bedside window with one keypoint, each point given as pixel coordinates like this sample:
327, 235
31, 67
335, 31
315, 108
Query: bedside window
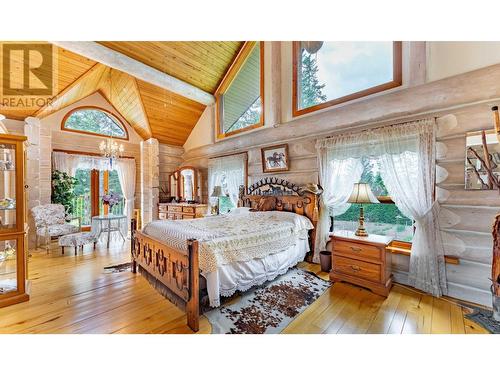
384, 218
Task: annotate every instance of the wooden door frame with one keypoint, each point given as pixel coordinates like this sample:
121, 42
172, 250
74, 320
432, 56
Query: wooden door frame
94, 192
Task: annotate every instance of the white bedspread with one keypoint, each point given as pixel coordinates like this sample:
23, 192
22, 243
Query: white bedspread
238, 251
229, 238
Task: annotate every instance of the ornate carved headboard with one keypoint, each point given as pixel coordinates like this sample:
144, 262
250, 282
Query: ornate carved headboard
289, 197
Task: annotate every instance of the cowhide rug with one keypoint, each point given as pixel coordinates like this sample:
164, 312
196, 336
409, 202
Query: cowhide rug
270, 307
118, 268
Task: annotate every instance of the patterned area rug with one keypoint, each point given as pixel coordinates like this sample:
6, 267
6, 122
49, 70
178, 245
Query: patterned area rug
485, 319
118, 268
270, 307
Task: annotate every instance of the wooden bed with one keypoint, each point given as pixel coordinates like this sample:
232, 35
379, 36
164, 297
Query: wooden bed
176, 275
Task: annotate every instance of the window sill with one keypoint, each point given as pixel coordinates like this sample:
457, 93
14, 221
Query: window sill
405, 251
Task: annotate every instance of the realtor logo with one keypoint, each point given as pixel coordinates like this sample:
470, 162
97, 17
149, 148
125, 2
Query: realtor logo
28, 74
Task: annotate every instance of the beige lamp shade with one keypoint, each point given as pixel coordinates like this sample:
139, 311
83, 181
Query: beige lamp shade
217, 192
362, 193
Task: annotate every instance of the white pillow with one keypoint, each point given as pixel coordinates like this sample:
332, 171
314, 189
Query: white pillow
239, 210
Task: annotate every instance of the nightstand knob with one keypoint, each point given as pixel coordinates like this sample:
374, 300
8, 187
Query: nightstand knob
356, 249
355, 268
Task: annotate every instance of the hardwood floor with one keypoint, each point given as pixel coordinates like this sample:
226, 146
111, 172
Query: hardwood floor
72, 295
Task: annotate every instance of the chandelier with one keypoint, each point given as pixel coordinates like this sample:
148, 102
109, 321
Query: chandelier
111, 150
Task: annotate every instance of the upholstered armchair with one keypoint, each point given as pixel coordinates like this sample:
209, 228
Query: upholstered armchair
52, 221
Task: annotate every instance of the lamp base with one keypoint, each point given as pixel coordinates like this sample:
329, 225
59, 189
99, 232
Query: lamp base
361, 231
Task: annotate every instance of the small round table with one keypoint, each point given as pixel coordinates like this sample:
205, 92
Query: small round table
109, 223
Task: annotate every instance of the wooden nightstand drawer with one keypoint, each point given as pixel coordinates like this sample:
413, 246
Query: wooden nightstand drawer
362, 261
357, 268
162, 208
175, 208
365, 251
188, 209
163, 216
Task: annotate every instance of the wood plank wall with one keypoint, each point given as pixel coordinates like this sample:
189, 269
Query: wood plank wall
170, 160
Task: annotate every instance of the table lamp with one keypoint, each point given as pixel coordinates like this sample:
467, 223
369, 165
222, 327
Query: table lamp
217, 192
362, 193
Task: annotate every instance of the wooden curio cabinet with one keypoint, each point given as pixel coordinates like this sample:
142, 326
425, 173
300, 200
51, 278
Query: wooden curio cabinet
13, 227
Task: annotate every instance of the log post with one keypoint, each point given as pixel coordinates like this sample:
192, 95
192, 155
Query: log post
193, 305
495, 264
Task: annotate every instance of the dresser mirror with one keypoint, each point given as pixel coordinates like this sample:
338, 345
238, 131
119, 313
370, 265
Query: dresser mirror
184, 185
172, 185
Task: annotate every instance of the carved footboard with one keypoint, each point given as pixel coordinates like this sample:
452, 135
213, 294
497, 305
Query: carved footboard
172, 272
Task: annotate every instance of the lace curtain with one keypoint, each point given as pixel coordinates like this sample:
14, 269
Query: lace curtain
63, 162
408, 171
232, 170
406, 153
338, 173
126, 176
69, 163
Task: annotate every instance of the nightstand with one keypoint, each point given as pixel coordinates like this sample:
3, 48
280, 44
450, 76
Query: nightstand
363, 261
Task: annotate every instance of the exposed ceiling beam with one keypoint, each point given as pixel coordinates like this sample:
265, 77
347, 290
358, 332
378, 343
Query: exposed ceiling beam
119, 61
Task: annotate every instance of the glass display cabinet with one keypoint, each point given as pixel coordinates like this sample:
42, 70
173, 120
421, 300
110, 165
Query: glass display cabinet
13, 228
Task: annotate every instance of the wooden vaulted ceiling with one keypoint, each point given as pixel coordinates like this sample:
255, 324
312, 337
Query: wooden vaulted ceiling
202, 64
152, 111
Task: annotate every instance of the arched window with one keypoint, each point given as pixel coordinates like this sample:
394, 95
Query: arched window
94, 121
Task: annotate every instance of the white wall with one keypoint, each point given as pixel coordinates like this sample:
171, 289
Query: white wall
203, 132
446, 59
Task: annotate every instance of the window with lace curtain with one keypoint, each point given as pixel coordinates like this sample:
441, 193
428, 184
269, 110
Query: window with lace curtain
384, 218
228, 172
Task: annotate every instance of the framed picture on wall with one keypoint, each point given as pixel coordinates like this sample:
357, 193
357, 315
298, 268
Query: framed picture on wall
275, 158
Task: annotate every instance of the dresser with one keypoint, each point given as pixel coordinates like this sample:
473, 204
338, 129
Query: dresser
363, 261
179, 211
